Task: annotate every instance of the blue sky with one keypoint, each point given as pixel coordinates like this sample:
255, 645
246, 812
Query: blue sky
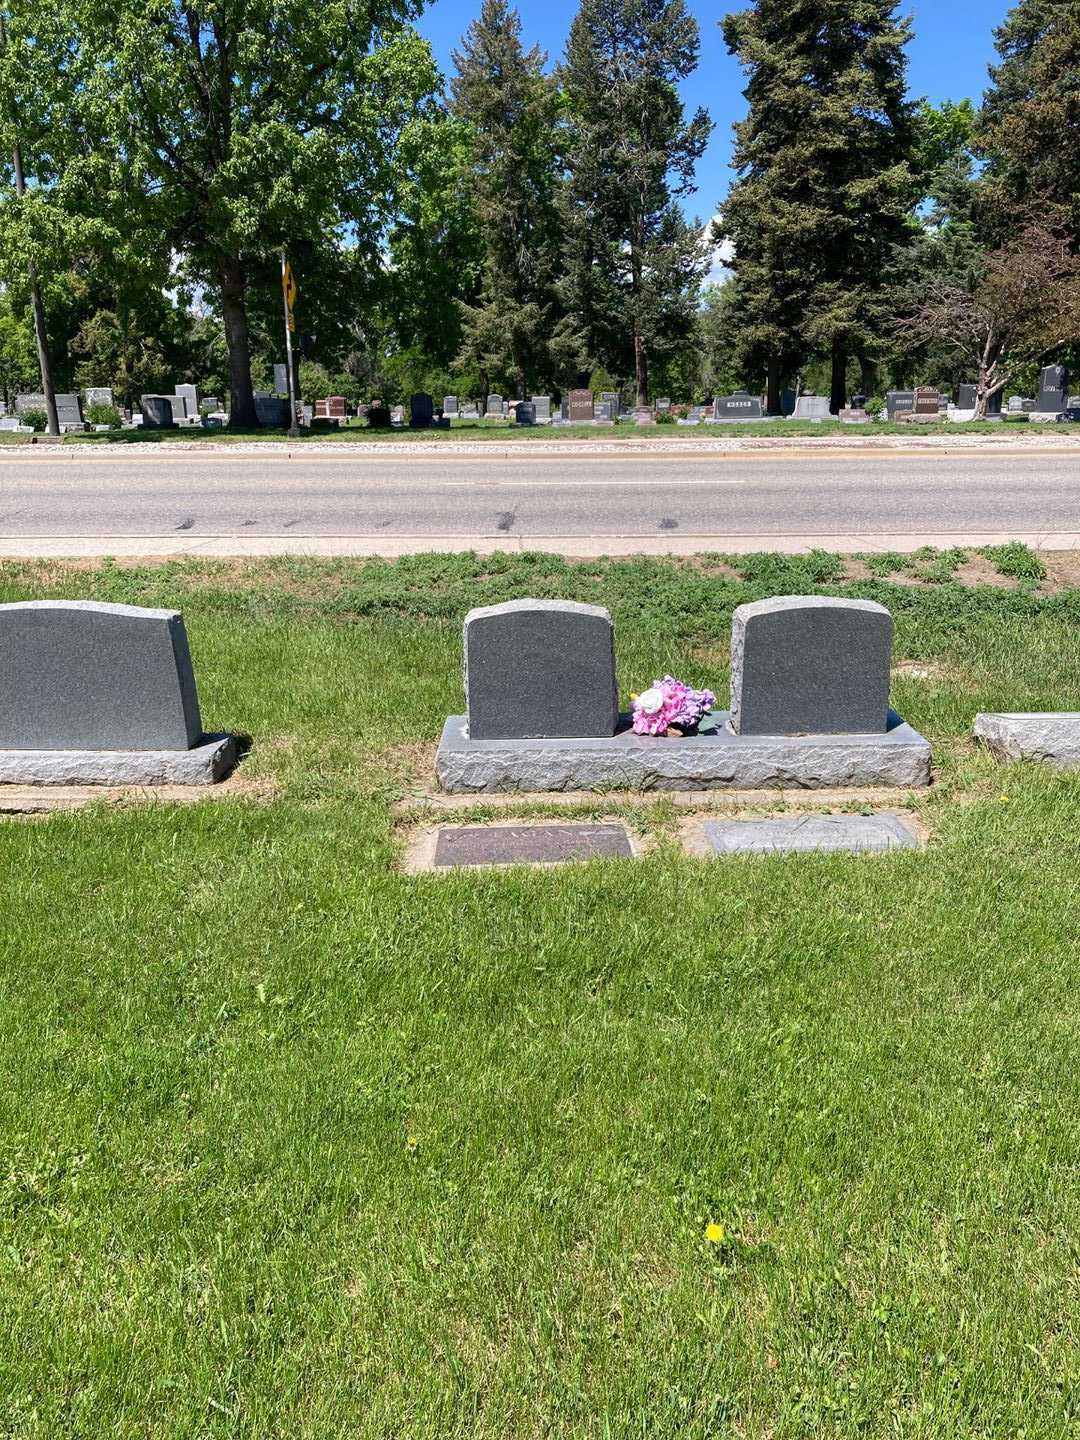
952, 47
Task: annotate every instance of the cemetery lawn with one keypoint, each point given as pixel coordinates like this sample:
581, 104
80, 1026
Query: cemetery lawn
498, 431
292, 1144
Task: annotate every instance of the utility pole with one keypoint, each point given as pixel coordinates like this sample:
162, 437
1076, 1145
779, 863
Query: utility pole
288, 290
35, 289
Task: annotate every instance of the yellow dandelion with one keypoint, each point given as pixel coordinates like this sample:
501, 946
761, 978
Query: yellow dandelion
714, 1233
411, 1142
1004, 799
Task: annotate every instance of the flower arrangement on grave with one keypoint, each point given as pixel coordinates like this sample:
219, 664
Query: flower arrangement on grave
670, 707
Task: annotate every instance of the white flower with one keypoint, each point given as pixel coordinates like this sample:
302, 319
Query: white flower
651, 701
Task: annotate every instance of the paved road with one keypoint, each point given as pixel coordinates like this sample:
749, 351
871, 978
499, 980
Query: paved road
215, 502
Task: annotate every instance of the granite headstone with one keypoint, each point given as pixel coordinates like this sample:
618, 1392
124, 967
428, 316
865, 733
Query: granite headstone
421, 411
581, 406
740, 406
804, 665
157, 412
1053, 390
537, 669
899, 402
79, 675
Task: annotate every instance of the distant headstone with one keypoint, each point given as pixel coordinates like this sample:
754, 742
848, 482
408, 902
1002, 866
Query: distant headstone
281, 380
853, 415
378, 417
740, 406
803, 665
662, 405
899, 402
536, 669
605, 411
272, 411
787, 402
29, 402
1028, 406
644, 416
581, 406
190, 396
524, 413
1053, 390
99, 395
994, 403
450, 405
610, 398
13, 423
542, 406
69, 412
79, 675
496, 407
811, 407
157, 412
421, 410
1016, 405
967, 397
927, 402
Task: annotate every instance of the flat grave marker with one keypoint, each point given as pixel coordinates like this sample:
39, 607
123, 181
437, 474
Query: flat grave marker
529, 844
802, 834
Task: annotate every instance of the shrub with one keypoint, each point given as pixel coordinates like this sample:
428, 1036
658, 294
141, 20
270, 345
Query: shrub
36, 419
1015, 560
103, 415
665, 417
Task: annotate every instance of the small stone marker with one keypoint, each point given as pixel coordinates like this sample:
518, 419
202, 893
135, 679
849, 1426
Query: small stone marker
104, 694
529, 844
538, 669
581, 407
1046, 738
810, 665
803, 833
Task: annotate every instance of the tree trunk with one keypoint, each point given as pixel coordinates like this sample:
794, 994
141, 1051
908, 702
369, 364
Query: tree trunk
838, 399
641, 369
774, 404
519, 376
868, 376
234, 308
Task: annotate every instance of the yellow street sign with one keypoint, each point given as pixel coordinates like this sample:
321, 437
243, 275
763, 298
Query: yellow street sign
288, 284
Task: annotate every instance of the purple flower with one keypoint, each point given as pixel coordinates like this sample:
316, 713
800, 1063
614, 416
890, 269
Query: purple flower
670, 704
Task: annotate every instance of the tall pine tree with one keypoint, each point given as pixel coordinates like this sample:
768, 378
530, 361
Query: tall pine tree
1030, 122
825, 186
633, 262
510, 107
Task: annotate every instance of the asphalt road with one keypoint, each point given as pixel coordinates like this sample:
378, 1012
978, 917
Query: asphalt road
216, 502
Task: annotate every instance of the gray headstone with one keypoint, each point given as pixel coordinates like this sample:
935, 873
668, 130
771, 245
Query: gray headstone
68, 410
190, 396
542, 406
281, 380
79, 675
1046, 738
811, 407
663, 404
802, 833
581, 406
29, 402
740, 406
810, 665
967, 397
536, 669
1053, 390
157, 412
899, 402
528, 844
495, 405
99, 395
450, 405
421, 410
643, 415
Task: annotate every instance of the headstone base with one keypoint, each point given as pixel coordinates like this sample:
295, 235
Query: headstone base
721, 761
205, 764
1048, 738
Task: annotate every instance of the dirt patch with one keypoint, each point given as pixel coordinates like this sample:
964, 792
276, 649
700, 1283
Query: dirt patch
977, 570
1062, 570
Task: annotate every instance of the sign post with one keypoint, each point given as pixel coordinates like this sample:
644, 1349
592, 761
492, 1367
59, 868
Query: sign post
288, 287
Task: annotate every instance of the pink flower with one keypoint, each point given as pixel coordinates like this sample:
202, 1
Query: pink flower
670, 704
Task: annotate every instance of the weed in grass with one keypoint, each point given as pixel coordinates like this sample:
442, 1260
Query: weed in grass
1015, 560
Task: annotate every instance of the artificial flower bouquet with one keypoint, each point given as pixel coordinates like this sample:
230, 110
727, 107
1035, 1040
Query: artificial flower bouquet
669, 707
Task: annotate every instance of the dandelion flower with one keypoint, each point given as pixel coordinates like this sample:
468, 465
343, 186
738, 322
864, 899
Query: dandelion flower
714, 1233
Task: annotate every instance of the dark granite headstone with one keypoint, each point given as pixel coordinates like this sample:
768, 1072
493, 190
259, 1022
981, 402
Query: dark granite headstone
68, 410
994, 403
1053, 390
524, 412
79, 675
899, 402
157, 412
378, 417
539, 669
281, 380
581, 406
740, 406
529, 844
806, 665
967, 397
272, 410
421, 411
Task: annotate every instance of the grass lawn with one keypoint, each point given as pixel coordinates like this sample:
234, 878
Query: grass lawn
497, 430
292, 1145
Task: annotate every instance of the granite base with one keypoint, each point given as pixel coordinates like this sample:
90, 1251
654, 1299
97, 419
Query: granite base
721, 761
204, 764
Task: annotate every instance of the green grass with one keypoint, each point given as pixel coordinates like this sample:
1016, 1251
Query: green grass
496, 430
293, 1145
